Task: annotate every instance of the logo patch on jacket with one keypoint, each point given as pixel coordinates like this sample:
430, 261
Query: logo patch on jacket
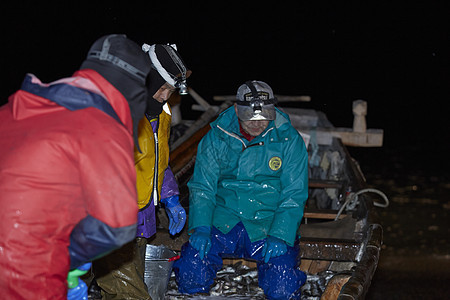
275, 163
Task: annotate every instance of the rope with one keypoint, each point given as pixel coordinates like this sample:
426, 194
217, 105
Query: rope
352, 196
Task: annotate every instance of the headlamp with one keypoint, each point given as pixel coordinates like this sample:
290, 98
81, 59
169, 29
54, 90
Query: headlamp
169, 66
182, 86
256, 105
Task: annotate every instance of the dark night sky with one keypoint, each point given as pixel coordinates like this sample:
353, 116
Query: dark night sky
395, 56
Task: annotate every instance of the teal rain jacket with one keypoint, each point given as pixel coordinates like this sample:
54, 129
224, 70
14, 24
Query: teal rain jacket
262, 183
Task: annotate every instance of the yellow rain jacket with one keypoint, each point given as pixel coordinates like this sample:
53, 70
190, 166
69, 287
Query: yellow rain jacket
145, 161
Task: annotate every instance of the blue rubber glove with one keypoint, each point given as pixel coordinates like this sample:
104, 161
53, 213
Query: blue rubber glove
176, 213
201, 240
273, 247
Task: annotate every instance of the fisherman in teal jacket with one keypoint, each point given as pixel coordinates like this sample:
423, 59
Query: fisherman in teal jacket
247, 196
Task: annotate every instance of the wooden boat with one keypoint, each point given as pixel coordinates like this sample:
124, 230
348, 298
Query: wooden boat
341, 237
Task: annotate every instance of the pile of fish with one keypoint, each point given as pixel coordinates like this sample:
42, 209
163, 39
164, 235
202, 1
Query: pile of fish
315, 285
233, 281
238, 281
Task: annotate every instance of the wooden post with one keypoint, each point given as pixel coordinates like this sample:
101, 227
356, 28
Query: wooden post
359, 112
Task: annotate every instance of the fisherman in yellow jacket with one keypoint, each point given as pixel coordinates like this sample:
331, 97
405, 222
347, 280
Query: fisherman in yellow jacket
120, 275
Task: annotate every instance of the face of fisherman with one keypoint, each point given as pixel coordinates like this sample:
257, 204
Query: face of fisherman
164, 93
253, 128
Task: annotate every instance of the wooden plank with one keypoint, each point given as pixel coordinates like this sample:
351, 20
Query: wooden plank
326, 184
328, 214
199, 99
318, 266
334, 287
202, 121
324, 136
370, 138
329, 249
231, 261
305, 264
322, 215
280, 98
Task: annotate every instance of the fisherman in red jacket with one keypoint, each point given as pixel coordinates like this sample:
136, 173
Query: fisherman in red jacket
67, 175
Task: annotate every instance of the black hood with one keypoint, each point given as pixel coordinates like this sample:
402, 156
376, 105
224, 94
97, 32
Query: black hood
123, 63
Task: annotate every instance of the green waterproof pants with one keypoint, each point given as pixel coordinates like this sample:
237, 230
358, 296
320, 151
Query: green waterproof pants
120, 274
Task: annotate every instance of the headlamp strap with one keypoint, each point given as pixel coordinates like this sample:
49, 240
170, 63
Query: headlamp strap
252, 89
106, 56
172, 79
256, 97
256, 102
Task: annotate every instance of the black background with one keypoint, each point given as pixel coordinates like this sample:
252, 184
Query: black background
394, 56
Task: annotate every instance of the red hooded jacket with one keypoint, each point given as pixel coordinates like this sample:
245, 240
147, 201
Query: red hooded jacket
67, 181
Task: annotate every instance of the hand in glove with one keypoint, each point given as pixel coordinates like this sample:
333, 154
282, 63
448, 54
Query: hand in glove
273, 247
77, 288
201, 240
176, 213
